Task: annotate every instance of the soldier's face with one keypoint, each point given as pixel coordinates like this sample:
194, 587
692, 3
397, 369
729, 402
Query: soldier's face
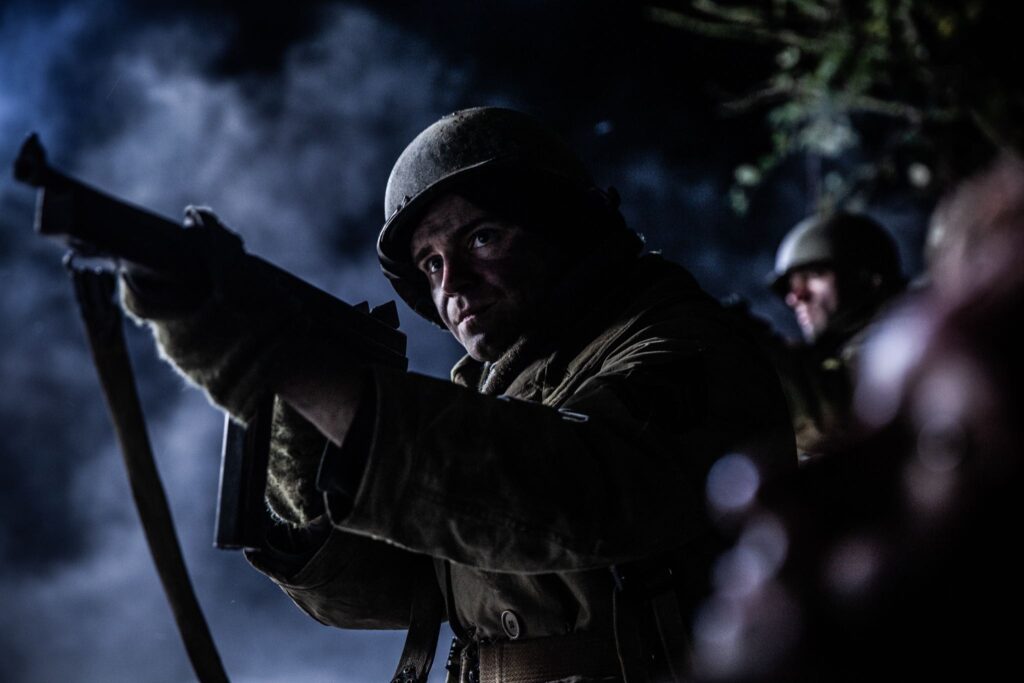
814, 299
487, 275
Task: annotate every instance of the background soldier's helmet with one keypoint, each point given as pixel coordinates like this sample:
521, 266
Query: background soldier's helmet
465, 146
853, 245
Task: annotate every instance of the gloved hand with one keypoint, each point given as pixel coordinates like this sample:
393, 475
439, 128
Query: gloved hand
158, 295
227, 331
296, 447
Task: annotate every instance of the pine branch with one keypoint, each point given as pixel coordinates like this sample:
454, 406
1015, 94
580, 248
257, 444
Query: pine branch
742, 33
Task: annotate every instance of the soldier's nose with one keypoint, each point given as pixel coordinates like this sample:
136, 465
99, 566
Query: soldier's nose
455, 277
798, 290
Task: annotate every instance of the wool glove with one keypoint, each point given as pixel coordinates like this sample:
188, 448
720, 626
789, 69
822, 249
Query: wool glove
296, 447
228, 332
232, 332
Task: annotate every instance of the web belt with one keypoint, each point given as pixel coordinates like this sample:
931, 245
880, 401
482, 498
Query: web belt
549, 659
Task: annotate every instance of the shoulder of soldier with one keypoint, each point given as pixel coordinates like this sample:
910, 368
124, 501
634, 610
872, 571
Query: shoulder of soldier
849, 351
737, 311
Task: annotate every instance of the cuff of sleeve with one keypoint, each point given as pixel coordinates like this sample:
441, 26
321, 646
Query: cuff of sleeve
231, 352
342, 467
288, 550
149, 297
327, 555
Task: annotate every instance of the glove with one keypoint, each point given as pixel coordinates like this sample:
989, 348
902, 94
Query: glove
228, 332
232, 332
296, 447
160, 295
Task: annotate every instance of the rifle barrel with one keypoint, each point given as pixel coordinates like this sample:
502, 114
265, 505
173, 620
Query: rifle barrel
94, 223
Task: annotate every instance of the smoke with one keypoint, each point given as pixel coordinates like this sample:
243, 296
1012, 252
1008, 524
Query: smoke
295, 162
294, 158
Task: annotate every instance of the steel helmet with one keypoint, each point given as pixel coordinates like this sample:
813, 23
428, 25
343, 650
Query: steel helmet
846, 242
462, 146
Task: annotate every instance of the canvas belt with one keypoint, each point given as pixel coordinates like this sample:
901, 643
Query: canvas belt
548, 659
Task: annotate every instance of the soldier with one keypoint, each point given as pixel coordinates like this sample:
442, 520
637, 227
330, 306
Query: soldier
835, 272
563, 464
899, 547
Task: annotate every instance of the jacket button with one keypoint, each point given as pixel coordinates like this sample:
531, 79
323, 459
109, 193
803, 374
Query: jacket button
510, 624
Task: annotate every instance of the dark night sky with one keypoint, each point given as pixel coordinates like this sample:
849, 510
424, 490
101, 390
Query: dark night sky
287, 124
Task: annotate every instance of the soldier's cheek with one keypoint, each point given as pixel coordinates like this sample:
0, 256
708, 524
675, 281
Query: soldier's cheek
441, 305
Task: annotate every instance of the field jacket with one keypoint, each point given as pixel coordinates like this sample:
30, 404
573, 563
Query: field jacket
521, 482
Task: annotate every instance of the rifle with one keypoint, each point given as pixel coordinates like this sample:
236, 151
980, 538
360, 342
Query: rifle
98, 226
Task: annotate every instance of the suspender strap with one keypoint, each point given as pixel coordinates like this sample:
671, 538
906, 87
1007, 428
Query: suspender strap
105, 332
651, 631
462, 663
424, 626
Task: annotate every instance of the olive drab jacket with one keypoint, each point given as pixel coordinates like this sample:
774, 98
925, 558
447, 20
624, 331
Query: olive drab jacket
526, 479
818, 380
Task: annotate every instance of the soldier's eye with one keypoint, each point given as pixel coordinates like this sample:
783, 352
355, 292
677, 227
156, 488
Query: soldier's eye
432, 264
483, 237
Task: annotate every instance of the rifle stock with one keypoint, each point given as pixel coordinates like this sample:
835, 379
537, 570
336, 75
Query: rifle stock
96, 224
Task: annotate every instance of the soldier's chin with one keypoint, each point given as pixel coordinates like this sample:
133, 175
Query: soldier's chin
809, 331
484, 348
809, 328
477, 347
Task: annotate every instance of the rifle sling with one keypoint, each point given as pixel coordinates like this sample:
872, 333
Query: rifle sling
95, 292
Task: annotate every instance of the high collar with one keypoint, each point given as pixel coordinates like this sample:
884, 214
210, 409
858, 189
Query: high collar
590, 294
845, 326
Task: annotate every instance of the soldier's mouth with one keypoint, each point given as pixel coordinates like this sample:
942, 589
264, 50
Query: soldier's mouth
471, 315
803, 315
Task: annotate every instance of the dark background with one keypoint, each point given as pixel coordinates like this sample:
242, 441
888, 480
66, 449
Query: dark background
287, 122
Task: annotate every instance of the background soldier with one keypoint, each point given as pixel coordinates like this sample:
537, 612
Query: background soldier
900, 544
623, 383
835, 272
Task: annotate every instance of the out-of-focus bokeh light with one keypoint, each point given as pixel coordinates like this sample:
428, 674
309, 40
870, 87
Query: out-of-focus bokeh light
919, 175
739, 638
733, 483
767, 536
754, 560
852, 566
888, 356
946, 395
717, 631
929, 490
930, 477
749, 622
740, 572
941, 445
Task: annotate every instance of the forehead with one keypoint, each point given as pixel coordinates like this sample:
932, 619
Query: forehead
813, 271
444, 219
